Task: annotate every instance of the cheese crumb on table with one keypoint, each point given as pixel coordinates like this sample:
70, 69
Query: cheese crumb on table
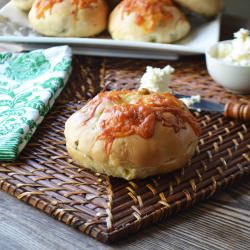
190, 101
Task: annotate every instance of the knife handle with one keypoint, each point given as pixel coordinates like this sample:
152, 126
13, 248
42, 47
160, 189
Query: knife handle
237, 110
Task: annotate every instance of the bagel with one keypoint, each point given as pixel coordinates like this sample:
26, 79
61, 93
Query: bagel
132, 134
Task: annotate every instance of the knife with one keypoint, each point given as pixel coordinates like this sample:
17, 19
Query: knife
237, 110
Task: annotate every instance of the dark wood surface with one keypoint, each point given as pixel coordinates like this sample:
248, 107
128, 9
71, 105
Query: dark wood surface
221, 223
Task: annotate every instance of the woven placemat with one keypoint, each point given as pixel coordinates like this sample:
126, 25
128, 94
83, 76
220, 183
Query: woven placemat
109, 208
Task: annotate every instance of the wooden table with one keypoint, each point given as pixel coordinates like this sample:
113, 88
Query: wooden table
221, 223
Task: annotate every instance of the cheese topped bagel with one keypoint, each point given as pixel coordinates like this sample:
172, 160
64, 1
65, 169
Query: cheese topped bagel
69, 18
132, 134
23, 4
148, 20
207, 8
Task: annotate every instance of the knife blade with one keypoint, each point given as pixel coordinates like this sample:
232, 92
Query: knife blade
237, 110
203, 105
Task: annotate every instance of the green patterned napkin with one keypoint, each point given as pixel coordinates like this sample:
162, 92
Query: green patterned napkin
29, 85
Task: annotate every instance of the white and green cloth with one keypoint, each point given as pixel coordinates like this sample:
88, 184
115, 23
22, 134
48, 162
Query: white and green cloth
29, 85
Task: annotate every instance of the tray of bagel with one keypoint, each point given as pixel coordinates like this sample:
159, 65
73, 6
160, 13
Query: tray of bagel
119, 150
141, 29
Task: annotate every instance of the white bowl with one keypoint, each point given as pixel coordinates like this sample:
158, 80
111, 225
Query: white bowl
233, 77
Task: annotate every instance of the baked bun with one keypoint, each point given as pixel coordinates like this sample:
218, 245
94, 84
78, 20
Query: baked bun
148, 21
132, 134
69, 18
207, 8
23, 4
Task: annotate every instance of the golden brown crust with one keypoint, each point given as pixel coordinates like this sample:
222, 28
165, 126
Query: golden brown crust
130, 156
152, 20
134, 157
69, 18
23, 4
203, 7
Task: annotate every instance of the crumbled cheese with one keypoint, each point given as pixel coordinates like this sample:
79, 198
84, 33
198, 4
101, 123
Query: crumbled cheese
236, 52
190, 101
157, 80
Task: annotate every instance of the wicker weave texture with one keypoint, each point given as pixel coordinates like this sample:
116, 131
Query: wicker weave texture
108, 208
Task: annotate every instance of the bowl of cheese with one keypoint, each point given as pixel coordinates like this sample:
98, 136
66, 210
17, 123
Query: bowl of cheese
228, 63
